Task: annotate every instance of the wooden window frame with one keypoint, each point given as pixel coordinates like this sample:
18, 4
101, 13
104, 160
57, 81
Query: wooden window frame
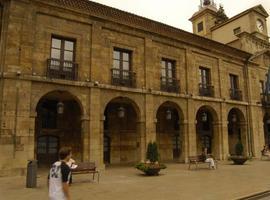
62, 47
235, 85
121, 60
208, 75
173, 70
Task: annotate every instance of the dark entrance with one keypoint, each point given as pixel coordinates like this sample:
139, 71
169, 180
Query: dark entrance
47, 149
58, 124
106, 150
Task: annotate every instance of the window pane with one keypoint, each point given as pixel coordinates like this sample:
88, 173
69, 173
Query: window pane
116, 64
69, 45
163, 64
68, 55
56, 43
116, 55
169, 74
126, 56
55, 53
125, 65
169, 65
163, 72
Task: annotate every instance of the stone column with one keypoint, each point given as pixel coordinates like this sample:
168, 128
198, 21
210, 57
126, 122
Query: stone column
95, 128
32, 136
244, 137
217, 139
224, 140
150, 119
184, 141
85, 138
141, 141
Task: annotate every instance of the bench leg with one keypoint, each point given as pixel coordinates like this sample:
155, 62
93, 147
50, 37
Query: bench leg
93, 176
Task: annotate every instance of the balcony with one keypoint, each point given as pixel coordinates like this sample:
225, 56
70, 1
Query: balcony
62, 69
123, 77
236, 94
206, 90
169, 85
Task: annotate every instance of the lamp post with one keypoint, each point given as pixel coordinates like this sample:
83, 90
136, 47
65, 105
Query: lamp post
60, 107
121, 112
168, 114
204, 116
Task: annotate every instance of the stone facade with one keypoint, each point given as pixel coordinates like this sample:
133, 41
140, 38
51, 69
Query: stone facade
182, 122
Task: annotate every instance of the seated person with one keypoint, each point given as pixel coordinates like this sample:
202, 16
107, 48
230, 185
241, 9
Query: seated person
265, 151
209, 159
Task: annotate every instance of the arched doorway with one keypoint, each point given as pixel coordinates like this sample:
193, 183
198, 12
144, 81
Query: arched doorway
58, 123
121, 140
207, 135
236, 130
169, 139
266, 127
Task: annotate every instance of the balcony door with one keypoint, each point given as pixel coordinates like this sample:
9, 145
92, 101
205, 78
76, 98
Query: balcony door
204, 77
167, 71
62, 53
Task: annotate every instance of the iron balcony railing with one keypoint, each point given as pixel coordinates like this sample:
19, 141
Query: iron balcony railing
169, 85
62, 69
236, 94
206, 90
123, 77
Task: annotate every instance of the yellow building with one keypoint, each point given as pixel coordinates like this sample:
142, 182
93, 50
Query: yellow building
107, 82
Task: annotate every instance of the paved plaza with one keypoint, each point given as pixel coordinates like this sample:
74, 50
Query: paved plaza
175, 183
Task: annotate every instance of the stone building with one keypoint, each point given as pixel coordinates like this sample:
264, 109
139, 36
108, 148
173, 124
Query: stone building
106, 82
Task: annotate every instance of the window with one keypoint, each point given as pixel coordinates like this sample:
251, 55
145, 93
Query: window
204, 74
122, 73
121, 63
62, 50
237, 30
200, 27
234, 82
235, 93
167, 70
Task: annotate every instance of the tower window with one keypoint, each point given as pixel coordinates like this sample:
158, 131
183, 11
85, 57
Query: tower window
200, 26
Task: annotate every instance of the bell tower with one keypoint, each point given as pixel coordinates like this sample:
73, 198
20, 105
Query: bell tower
205, 18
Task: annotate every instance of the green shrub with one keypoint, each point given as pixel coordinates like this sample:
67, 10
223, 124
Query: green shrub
239, 148
152, 152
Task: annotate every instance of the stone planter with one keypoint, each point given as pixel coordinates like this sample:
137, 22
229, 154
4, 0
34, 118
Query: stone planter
150, 169
239, 160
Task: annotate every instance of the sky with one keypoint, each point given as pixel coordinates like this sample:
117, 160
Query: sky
177, 12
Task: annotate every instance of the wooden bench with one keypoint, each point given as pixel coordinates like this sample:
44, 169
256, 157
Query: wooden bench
86, 168
199, 160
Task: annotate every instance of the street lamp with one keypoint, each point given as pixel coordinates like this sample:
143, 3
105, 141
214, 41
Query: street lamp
121, 112
168, 114
204, 116
60, 107
234, 118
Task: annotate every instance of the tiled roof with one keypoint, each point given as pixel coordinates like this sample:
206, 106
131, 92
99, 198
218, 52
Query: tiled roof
119, 16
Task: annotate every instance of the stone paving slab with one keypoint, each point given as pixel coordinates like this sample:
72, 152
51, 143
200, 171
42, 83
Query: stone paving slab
175, 183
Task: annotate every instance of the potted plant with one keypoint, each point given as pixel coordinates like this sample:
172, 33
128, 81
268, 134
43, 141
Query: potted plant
239, 159
151, 167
